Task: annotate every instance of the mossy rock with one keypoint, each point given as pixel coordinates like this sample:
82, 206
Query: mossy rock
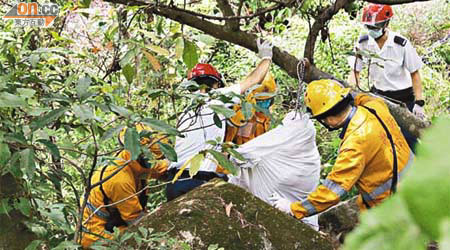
224, 214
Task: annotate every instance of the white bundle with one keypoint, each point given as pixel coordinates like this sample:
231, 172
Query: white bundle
284, 160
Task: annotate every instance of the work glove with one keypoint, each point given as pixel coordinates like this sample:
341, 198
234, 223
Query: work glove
281, 203
264, 49
419, 111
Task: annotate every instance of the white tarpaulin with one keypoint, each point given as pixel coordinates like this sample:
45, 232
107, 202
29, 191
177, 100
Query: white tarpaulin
284, 160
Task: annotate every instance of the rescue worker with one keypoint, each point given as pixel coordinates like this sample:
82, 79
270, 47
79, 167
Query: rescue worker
396, 75
240, 131
373, 154
201, 126
120, 189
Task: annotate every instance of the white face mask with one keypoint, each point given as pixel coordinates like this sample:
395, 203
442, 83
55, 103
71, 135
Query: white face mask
375, 34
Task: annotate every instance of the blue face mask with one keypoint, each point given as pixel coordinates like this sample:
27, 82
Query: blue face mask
264, 104
375, 34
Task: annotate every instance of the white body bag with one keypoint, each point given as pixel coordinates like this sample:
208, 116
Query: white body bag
284, 160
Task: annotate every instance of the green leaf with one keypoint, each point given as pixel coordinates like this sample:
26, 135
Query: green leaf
111, 132
129, 72
8, 100
388, 225
212, 142
179, 47
34, 245
158, 50
132, 143
51, 147
83, 112
429, 178
190, 56
27, 161
195, 164
160, 126
247, 110
168, 151
127, 58
235, 154
221, 109
223, 161
24, 206
217, 120
67, 245
34, 59
51, 116
26, 40
120, 110
5, 154
4, 206
83, 86
144, 232
26, 93
19, 138
84, 3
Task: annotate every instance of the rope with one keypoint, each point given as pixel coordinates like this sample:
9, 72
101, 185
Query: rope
300, 89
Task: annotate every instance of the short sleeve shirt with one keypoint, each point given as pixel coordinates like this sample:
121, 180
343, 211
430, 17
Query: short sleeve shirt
201, 128
394, 72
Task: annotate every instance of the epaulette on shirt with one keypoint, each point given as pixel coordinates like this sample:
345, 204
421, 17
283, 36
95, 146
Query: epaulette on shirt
400, 40
363, 38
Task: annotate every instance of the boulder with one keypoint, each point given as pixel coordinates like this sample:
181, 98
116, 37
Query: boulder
224, 214
339, 220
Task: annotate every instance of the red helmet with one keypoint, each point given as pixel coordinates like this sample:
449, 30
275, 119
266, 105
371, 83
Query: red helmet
205, 71
376, 13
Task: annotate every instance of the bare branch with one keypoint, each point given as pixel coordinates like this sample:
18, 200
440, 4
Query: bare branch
319, 24
210, 17
227, 11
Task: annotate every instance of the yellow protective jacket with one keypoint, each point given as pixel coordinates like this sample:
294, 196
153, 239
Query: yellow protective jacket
256, 126
121, 186
365, 159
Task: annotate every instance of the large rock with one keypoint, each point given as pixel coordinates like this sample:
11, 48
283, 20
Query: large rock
339, 220
224, 214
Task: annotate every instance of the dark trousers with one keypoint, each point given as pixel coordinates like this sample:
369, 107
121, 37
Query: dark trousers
180, 187
407, 97
410, 139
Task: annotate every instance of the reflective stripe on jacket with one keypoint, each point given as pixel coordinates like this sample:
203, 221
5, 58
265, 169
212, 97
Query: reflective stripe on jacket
121, 186
365, 159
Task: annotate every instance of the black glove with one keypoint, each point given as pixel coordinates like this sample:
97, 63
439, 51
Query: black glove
114, 220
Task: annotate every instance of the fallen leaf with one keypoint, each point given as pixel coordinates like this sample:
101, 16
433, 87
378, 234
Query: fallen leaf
228, 209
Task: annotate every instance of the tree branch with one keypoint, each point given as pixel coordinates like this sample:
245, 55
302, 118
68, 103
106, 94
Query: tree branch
283, 59
227, 11
319, 24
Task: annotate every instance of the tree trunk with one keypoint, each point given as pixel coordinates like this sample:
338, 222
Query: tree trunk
13, 233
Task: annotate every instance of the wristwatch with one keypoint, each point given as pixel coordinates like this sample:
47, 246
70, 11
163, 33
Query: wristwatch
421, 103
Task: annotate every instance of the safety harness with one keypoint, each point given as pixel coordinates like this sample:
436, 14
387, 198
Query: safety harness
114, 219
394, 153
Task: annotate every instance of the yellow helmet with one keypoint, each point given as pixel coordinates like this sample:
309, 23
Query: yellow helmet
323, 95
156, 151
268, 85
